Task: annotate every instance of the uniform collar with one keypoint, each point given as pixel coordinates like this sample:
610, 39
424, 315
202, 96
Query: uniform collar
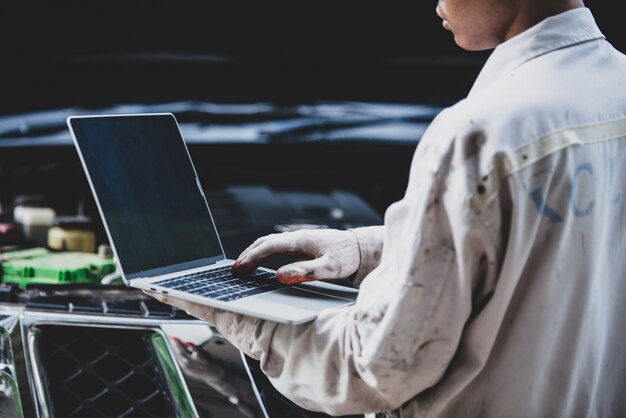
555, 32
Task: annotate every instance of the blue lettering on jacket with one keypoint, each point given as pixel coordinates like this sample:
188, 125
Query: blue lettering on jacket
543, 208
579, 213
578, 209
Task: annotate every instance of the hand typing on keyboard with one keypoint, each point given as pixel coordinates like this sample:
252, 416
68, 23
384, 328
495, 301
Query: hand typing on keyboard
329, 253
221, 284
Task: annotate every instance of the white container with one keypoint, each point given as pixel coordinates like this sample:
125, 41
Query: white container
35, 222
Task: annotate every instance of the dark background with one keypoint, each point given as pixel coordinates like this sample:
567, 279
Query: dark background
92, 54
88, 53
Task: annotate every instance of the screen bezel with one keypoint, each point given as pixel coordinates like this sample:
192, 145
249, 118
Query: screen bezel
167, 269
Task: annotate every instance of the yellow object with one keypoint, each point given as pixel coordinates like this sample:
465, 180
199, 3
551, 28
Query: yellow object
67, 239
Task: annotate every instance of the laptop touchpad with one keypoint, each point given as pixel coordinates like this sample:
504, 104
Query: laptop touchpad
302, 299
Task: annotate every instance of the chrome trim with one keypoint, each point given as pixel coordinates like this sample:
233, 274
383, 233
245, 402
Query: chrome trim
39, 393
255, 388
16, 367
31, 317
31, 321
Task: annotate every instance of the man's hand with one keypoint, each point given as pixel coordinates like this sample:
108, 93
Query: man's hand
329, 254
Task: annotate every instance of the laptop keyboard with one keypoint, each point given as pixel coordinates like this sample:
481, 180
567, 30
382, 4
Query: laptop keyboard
221, 284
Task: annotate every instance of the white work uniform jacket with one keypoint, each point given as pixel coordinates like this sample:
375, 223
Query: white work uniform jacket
501, 289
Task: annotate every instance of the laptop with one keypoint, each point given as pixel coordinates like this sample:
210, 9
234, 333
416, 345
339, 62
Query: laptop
160, 227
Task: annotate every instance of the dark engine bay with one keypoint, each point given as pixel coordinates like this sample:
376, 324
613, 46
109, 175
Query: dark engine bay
99, 348
291, 123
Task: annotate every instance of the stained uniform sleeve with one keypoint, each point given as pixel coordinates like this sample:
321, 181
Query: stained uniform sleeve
402, 333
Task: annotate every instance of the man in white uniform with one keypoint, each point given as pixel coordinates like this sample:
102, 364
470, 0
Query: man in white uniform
496, 286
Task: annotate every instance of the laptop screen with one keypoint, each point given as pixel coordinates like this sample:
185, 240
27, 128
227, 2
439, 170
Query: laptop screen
148, 194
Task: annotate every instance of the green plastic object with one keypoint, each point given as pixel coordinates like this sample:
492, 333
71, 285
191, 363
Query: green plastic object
40, 266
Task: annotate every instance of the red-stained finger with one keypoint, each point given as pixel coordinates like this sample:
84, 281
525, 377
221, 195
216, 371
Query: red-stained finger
321, 268
293, 279
240, 269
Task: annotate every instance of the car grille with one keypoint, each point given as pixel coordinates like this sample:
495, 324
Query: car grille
98, 372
